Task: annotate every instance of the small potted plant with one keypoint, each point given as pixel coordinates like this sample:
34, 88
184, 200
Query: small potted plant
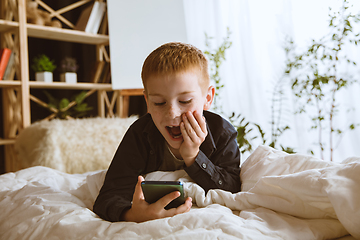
43, 68
68, 70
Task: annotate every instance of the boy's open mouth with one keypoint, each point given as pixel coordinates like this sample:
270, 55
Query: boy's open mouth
174, 131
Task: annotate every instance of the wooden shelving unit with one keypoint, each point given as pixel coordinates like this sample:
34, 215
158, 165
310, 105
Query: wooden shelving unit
7, 141
58, 85
14, 33
53, 33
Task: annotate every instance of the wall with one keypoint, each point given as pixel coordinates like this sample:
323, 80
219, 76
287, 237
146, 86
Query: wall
136, 28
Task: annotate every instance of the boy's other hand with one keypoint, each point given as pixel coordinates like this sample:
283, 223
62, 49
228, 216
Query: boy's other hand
194, 132
142, 211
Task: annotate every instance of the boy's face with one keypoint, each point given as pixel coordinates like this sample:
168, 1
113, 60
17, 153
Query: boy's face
169, 96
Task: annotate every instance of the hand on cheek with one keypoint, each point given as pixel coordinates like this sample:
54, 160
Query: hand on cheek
193, 129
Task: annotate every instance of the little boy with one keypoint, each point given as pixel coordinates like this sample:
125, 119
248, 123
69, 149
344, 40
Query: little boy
176, 133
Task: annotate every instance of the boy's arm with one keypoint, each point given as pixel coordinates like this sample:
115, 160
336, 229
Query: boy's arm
221, 168
116, 193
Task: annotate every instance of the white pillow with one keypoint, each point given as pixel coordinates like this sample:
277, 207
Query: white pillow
72, 146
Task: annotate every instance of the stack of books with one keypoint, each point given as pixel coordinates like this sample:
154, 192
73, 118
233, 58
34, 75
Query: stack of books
7, 59
91, 17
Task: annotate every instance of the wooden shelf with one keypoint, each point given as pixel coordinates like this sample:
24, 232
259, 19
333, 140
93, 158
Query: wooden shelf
9, 83
6, 141
62, 85
132, 92
66, 35
8, 26
81, 85
53, 33
58, 85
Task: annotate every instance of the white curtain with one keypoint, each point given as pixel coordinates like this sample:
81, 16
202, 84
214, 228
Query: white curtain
256, 61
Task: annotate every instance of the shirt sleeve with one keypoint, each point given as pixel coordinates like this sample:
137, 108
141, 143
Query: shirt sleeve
117, 191
220, 170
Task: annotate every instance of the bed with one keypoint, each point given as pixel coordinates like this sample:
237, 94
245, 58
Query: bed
283, 197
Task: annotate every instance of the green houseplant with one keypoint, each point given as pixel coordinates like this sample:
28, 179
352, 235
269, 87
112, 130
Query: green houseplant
216, 57
317, 79
43, 68
246, 134
68, 108
68, 68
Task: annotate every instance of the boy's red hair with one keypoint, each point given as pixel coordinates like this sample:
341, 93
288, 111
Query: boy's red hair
175, 57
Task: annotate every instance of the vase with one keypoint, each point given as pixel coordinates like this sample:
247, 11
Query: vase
44, 77
68, 77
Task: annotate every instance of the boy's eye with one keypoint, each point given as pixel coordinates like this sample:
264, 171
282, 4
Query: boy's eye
185, 102
159, 104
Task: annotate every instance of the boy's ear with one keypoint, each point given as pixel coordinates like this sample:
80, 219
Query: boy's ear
209, 97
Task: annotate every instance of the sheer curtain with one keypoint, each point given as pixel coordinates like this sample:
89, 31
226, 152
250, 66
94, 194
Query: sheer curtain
256, 61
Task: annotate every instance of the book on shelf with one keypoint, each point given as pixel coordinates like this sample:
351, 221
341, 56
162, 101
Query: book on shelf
91, 17
84, 16
95, 25
5, 54
103, 29
9, 67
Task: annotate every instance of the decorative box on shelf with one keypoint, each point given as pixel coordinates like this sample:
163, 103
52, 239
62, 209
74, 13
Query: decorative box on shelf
68, 77
44, 77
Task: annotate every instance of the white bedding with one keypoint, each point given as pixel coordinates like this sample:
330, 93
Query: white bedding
283, 197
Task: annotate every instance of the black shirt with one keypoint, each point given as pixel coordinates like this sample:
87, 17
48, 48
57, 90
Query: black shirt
141, 151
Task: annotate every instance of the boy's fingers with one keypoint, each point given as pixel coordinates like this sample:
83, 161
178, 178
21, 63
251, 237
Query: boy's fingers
184, 207
190, 130
196, 122
181, 209
201, 121
140, 178
193, 122
138, 193
165, 200
184, 133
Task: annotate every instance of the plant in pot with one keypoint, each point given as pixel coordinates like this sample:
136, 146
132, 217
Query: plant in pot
43, 68
68, 108
68, 70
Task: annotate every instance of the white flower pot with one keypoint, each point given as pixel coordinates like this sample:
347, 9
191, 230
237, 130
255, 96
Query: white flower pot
68, 77
44, 77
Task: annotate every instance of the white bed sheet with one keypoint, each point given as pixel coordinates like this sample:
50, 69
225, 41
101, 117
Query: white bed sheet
283, 197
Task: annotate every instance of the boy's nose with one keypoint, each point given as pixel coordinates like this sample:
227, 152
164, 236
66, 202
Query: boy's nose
174, 112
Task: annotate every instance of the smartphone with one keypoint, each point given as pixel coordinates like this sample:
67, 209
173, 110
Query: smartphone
154, 190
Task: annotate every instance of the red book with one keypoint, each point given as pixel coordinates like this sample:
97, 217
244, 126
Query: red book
4, 59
